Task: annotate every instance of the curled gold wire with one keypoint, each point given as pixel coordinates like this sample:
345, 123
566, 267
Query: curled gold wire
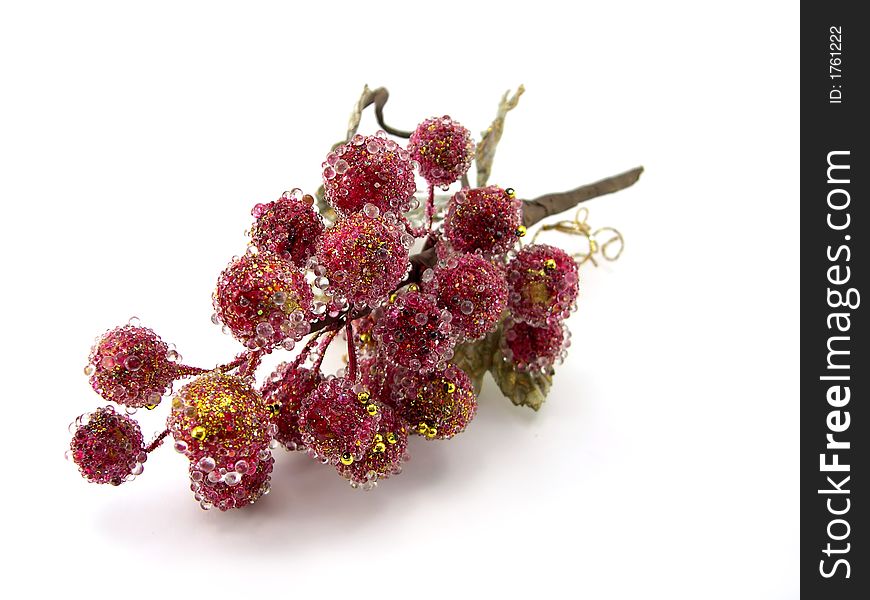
610, 249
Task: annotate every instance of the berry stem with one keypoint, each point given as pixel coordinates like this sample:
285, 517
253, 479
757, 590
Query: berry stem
157, 441
430, 208
351, 349
324, 346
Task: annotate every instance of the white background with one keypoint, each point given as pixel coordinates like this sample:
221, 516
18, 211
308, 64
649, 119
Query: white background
134, 139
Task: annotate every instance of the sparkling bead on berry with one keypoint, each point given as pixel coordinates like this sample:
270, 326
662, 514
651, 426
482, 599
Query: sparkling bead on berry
132, 366
474, 290
263, 300
107, 446
439, 405
288, 227
532, 348
543, 284
283, 393
443, 148
384, 456
363, 257
483, 220
338, 422
220, 415
232, 482
369, 170
415, 333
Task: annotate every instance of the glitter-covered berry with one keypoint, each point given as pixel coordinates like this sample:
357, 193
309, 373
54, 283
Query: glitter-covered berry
338, 422
288, 227
283, 393
384, 457
231, 482
263, 301
439, 405
443, 148
415, 333
532, 348
369, 170
218, 415
132, 366
473, 289
483, 220
107, 447
543, 284
364, 257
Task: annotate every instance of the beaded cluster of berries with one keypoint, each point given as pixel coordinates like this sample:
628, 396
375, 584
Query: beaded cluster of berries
402, 315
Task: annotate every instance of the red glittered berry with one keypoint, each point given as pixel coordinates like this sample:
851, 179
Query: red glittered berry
231, 482
443, 148
474, 291
414, 332
543, 284
532, 348
483, 220
283, 393
338, 421
132, 366
364, 257
385, 455
218, 415
107, 446
438, 405
263, 301
369, 170
288, 227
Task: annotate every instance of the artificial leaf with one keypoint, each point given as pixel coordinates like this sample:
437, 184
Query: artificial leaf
491, 137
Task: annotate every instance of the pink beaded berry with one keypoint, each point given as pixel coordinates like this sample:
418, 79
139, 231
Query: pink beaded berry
218, 415
543, 284
415, 333
288, 227
240, 482
533, 348
483, 220
438, 405
283, 393
263, 301
443, 148
474, 291
384, 457
364, 257
132, 366
338, 422
369, 170
107, 447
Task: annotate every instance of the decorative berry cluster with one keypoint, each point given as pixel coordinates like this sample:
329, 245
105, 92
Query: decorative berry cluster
403, 314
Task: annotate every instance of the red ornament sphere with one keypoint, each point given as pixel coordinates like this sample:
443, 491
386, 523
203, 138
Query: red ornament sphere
240, 482
483, 220
283, 393
544, 283
532, 348
473, 289
443, 148
369, 170
438, 405
364, 258
132, 366
415, 333
288, 227
385, 455
107, 447
338, 421
263, 301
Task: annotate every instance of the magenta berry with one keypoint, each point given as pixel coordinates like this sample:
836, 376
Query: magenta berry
384, 457
363, 257
231, 482
288, 227
543, 283
107, 446
415, 333
474, 291
369, 170
283, 393
132, 366
439, 405
443, 148
533, 348
263, 301
337, 422
483, 220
